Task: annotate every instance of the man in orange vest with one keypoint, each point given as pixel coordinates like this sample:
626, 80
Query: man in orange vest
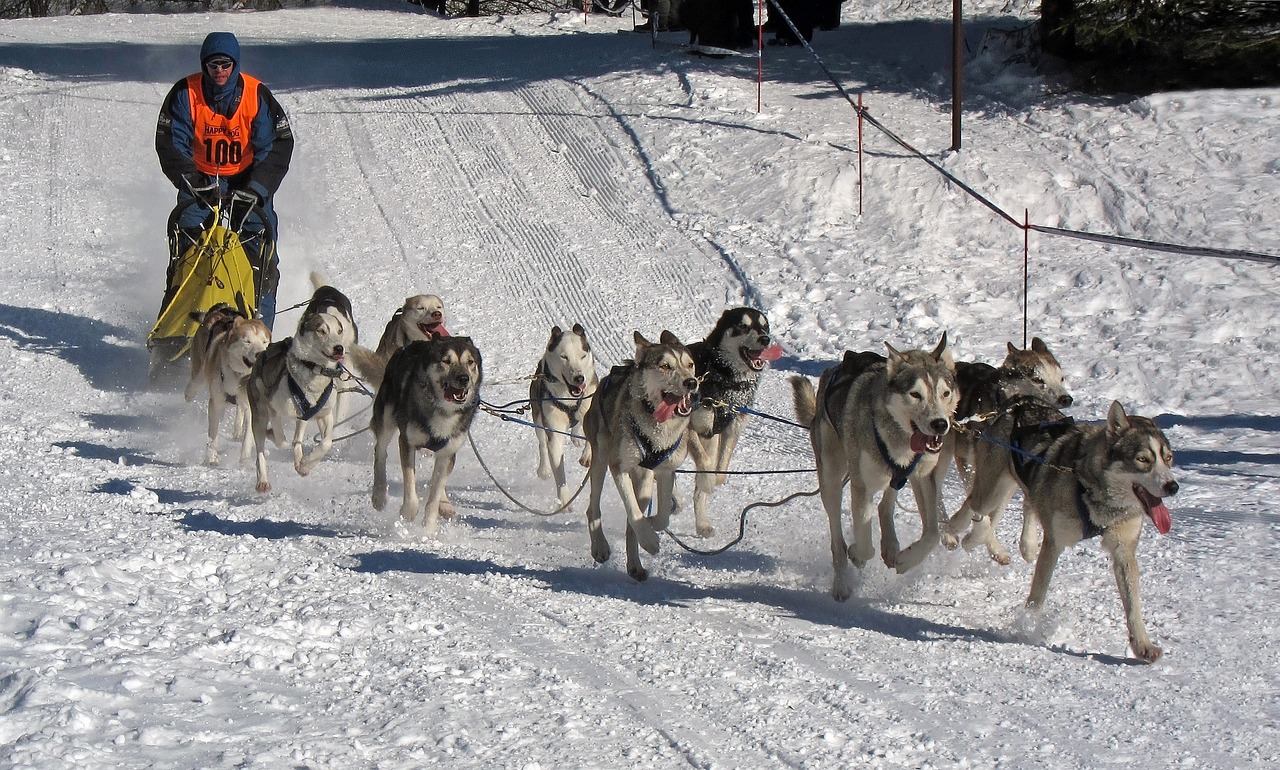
222, 133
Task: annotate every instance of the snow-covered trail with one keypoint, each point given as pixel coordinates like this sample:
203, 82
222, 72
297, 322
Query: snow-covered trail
161, 614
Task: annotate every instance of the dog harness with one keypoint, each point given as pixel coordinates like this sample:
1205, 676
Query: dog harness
1025, 464
570, 408
900, 474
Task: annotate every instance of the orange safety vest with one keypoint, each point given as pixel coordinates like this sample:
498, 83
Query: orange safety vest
221, 144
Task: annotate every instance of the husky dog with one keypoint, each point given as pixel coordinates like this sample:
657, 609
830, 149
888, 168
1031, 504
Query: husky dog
984, 391
880, 425
421, 317
297, 379
729, 362
222, 355
1078, 482
428, 394
636, 428
559, 398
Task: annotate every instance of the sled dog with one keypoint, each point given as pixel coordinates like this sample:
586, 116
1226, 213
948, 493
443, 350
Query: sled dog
421, 317
984, 391
428, 394
880, 425
729, 362
636, 430
297, 379
559, 397
222, 355
1079, 481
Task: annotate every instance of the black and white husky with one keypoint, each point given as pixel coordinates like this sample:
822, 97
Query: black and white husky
297, 380
559, 397
729, 362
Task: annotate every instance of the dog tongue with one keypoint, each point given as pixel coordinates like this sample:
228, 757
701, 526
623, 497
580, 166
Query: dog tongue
664, 411
771, 353
1157, 511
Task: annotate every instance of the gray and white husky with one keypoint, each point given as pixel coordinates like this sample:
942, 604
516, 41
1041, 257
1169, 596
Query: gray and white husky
427, 395
296, 379
729, 362
636, 428
1079, 481
559, 397
879, 425
984, 391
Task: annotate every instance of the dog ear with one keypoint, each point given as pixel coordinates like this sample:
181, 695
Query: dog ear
1117, 420
942, 353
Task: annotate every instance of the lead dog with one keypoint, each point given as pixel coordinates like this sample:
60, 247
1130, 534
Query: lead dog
878, 426
1078, 482
223, 352
421, 317
428, 396
984, 392
559, 397
729, 362
296, 380
636, 429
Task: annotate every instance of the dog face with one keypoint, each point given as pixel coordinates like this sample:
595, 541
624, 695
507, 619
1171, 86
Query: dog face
1034, 372
742, 338
324, 338
422, 316
1140, 462
667, 377
244, 342
568, 359
452, 372
923, 394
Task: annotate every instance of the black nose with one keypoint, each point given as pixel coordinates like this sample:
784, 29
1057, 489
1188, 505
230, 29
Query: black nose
1065, 400
939, 426
1171, 488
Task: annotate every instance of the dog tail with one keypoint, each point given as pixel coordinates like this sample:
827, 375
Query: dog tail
806, 399
370, 366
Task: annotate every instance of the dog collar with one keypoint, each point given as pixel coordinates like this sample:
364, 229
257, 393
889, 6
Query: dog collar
900, 474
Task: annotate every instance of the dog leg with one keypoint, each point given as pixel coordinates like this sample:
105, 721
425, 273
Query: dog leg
889, 546
1121, 541
664, 489
637, 524
842, 581
634, 568
703, 453
435, 490
599, 543
408, 471
1050, 550
928, 493
325, 423
216, 402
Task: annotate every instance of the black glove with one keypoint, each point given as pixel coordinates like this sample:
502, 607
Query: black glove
200, 185
245, 198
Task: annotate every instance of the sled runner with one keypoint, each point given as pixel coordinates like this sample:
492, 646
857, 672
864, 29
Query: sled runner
222, 261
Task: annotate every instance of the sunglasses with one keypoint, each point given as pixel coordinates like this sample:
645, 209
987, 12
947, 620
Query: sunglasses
217, 65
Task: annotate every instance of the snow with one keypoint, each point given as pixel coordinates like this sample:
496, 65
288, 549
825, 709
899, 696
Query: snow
542, 169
